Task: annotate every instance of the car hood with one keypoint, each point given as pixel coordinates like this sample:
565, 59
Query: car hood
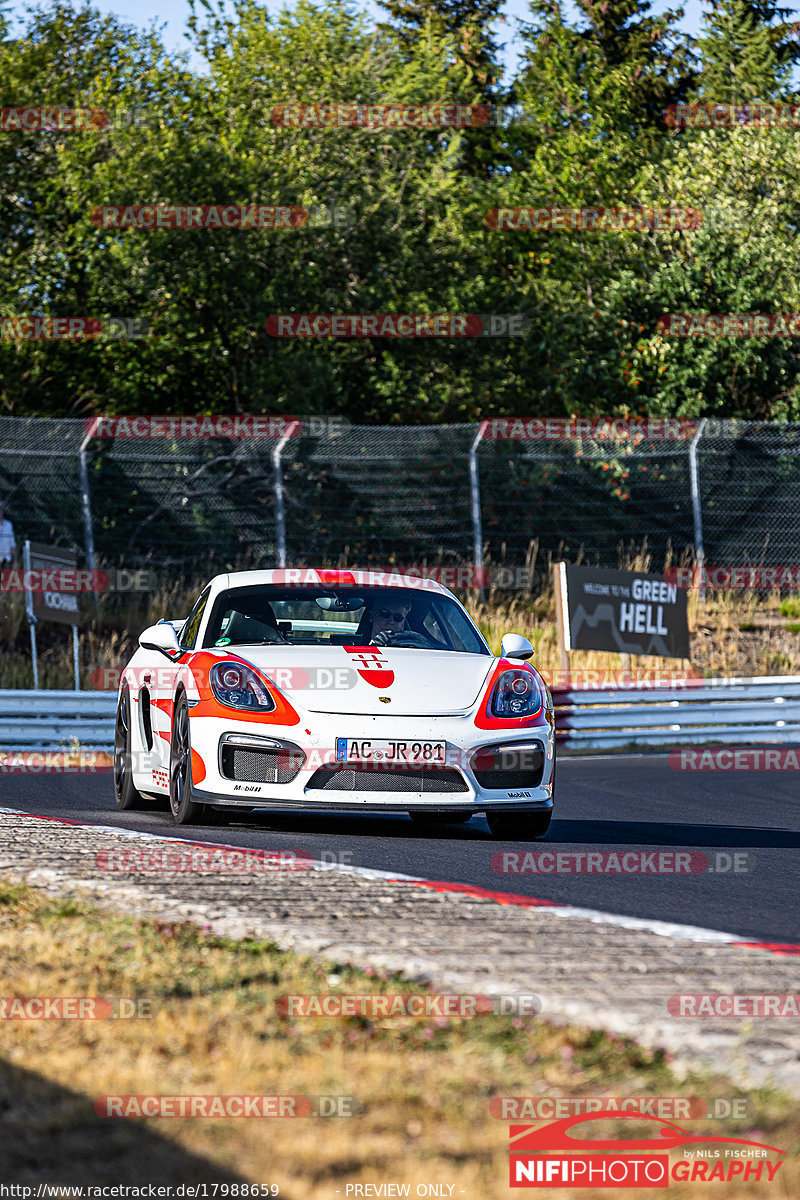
342, 679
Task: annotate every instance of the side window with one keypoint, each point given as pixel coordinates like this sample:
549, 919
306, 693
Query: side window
461, 631
432, 625
189, 632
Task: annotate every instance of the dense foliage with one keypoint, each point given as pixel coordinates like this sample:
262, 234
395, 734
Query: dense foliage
412, 237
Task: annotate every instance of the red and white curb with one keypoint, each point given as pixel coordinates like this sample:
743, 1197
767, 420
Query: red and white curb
667, 929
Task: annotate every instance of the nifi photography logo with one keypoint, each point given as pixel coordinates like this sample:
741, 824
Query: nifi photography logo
569, 1154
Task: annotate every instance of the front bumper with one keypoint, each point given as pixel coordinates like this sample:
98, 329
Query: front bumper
370, 802
463, 742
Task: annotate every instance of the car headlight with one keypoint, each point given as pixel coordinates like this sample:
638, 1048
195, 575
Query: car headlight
237, 686
516, 694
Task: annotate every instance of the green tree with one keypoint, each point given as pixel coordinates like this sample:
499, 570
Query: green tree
475, 72
469, 23
587, 143
743, 259
648, 55
748, 48
53, 262
210, 139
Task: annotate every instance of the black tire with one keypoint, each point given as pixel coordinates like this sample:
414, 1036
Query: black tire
185, 810
433, 818
125, 793
519, 826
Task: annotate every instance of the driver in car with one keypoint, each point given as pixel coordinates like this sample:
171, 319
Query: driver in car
388, 618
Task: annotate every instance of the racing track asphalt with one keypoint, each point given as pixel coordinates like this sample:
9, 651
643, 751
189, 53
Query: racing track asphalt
615, 803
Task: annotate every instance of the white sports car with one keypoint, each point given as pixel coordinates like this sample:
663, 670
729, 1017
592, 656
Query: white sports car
335, 689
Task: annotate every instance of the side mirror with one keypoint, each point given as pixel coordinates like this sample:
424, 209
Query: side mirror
514, 645
160, 637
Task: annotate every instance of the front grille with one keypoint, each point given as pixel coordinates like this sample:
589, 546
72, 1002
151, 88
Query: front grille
504, 767
350, 779
260, 766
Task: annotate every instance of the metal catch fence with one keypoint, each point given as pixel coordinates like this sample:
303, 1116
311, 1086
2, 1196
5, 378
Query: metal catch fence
402, 496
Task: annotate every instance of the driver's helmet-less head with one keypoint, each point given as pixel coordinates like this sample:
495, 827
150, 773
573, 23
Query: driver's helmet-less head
384, 613
391, 615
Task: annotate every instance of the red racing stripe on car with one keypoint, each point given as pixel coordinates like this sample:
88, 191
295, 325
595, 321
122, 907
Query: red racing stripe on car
198, 767
209, 706
485, 720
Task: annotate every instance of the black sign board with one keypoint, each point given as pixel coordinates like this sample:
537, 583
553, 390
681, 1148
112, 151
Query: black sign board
52, 572
625, 612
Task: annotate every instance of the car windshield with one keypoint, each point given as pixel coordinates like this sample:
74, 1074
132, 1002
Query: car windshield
408, 618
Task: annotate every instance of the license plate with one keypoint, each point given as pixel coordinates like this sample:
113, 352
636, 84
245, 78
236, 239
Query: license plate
414, 753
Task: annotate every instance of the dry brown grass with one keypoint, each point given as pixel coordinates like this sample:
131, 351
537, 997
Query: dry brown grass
731, 635
424, 1086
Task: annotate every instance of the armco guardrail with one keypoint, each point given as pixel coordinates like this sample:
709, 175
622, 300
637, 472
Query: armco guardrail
49, 720
763, 710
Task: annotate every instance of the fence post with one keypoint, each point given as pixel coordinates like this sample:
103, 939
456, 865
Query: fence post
475, 499
86, 510
277, 488
562, 619
697, 506
29, 613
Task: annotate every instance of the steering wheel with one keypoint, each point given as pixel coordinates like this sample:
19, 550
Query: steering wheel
405, 638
